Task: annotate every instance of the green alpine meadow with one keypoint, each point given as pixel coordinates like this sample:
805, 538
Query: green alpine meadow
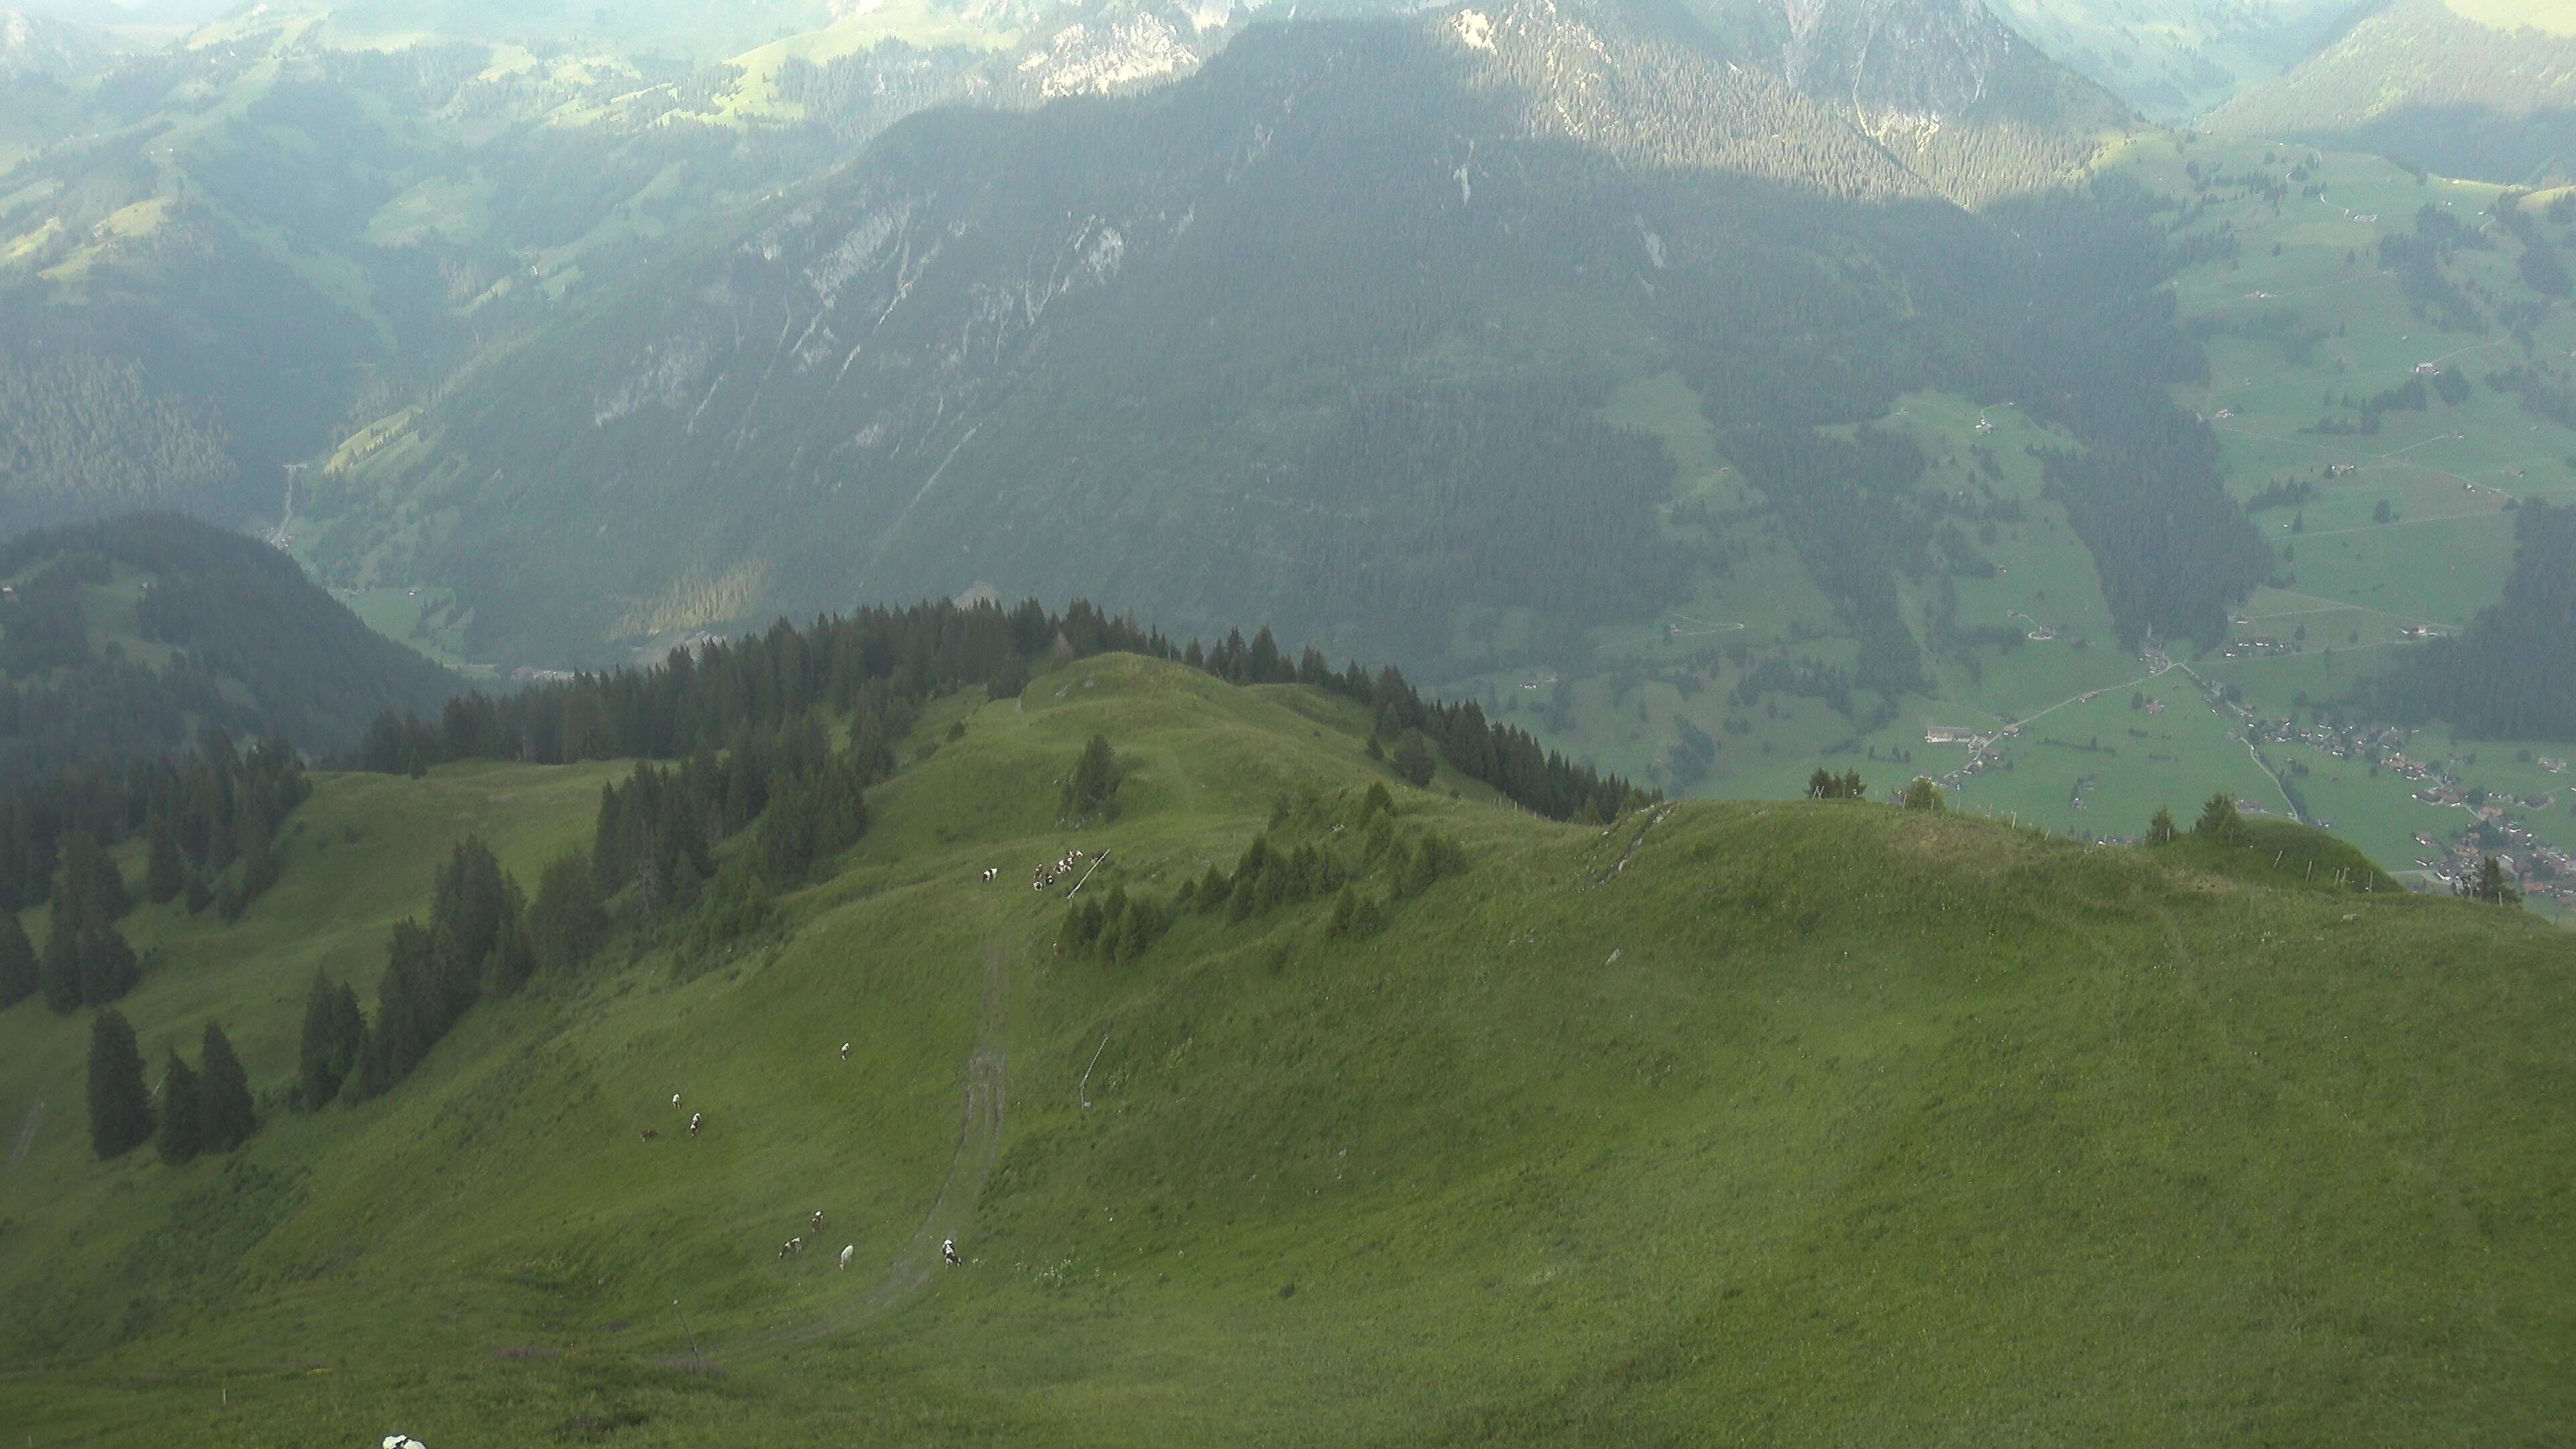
1379, 1112
1623, 724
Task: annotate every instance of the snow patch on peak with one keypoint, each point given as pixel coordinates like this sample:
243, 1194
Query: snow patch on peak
1475, 30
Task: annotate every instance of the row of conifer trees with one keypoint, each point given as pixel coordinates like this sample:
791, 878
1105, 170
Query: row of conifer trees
894, 659
484, 936
205, 1108
205, 814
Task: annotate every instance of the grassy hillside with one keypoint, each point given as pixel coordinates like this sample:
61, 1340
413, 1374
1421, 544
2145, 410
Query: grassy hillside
1734, 1123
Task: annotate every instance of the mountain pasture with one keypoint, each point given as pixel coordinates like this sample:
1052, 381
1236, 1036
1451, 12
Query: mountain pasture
1733, 1122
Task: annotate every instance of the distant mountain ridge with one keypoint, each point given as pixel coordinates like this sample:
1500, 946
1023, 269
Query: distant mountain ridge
2176, 60
40, 47
2426, 84
1938, 82
1317, 335
302, 212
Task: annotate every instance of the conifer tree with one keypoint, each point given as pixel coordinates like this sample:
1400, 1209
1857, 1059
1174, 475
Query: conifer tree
59, 973
511, 962
90, 880
2489, 885
2219, 821
227, 1114
2162, 830
565, 922
120, 1106
334, 1031
1094, 785
412, 1009
472, 903
183, 1127
1414, 764
167, 873
108, 968
18, 973
1346, 909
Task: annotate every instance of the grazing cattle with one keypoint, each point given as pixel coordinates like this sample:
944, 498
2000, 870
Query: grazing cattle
848, 1253
948, 1250
818, 1220
696, 1120
675, 1099
649, 1135
845, 1051
403, 1441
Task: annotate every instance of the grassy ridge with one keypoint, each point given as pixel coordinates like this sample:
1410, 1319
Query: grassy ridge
1814, 1123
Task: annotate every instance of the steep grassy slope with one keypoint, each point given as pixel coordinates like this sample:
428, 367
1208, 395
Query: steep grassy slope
1737, 1123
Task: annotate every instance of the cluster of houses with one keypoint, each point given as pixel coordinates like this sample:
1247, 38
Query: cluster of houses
2540, 870
1985, 752
2260, 646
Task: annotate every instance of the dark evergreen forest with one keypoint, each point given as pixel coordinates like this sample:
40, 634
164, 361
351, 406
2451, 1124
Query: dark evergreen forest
753, 702
2508, 677
256, 648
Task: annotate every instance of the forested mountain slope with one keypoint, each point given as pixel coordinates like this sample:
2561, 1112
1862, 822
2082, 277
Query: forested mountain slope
300, 217
1803, 1123
140, 634
1943, 84
1321, 334
2175, 60
2460, 87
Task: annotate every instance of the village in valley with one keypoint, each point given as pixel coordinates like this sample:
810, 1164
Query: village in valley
2415, 771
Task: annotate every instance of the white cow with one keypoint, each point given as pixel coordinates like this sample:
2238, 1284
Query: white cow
696, 1119
403, 1441
845, 1051
848, 1253
675, 1099
948, 1250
